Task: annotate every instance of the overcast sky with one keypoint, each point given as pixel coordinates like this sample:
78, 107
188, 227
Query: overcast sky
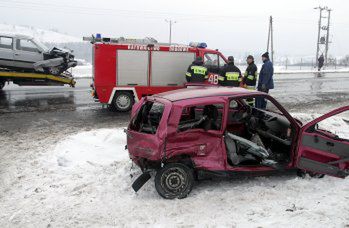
235, 27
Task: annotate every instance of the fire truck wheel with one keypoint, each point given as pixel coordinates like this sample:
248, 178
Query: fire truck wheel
123, 101
174, 180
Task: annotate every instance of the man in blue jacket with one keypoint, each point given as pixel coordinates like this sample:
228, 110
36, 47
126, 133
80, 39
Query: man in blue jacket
265, 81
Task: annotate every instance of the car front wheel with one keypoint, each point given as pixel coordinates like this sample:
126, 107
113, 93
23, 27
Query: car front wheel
2, 84
174, 180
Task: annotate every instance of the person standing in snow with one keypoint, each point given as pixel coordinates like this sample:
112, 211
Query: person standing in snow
321, 61
250, 77
265, 81
230, 75
196, 71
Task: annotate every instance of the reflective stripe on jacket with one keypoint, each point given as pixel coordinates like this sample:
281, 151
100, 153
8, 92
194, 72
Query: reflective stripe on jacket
230, 75
250, 75
196, 72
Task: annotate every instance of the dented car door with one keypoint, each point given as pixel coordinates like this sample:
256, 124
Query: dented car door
199, 134
321, 150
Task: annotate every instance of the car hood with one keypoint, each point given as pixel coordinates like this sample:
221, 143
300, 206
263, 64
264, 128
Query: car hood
59, 52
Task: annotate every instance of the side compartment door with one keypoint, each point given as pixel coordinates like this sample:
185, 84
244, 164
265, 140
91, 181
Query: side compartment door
323, 145
132, 68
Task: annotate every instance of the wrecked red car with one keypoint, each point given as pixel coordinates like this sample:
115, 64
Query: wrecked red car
184, 135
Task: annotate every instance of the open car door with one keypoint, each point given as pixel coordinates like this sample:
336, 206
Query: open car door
320, 149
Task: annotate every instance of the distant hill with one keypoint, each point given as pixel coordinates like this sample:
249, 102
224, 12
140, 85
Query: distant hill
46, 36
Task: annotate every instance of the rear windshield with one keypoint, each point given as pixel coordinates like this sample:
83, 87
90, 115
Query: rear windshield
148, 118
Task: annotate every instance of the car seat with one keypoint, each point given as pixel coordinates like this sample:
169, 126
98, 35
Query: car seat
210, 123
234, 154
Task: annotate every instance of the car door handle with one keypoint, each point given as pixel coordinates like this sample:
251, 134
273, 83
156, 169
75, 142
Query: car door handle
16, 54
329, 143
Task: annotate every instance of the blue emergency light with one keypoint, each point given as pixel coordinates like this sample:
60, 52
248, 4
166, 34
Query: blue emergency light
202, 45
198, 44
98, 36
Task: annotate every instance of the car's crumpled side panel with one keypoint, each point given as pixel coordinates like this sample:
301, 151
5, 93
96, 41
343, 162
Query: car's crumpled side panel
149, 146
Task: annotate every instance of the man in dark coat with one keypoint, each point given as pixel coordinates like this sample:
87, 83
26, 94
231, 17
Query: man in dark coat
230, 75
265, 81
321, 61
196, 71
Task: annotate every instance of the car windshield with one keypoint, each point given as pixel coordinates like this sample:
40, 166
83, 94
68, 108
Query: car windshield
41, 45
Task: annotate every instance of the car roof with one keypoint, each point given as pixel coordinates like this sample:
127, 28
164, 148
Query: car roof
204, 91
16, 35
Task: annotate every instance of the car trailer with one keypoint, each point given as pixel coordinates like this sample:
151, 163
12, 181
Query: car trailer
35, 79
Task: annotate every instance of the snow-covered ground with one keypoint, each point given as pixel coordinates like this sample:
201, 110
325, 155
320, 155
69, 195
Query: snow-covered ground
84, 180
82, 71
46, 36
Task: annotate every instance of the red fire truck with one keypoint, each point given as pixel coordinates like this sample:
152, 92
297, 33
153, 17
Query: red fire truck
125, 70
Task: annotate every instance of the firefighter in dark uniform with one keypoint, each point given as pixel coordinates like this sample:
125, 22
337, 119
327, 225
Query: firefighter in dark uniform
250, 77
230, 75
196, 71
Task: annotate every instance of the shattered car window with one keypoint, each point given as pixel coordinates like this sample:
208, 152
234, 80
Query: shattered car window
206, 117
336, 125
148, 118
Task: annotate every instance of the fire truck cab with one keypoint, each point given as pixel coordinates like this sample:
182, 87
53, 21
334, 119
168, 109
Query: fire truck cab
125, 70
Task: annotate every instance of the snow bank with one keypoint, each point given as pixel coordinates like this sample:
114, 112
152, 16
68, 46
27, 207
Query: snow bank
82, 71
102, 147
46, 36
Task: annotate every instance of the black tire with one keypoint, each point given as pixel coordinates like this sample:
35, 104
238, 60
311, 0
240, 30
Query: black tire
54, 71
303, 174
316, 175
174, 180
123, 101
2, 84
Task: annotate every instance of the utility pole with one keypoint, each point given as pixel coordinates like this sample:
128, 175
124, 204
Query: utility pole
270, 39
323, 35
170, 22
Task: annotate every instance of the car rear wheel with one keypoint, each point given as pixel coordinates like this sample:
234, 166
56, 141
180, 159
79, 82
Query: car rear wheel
123, 101
174, 180
303, 174
316, 175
